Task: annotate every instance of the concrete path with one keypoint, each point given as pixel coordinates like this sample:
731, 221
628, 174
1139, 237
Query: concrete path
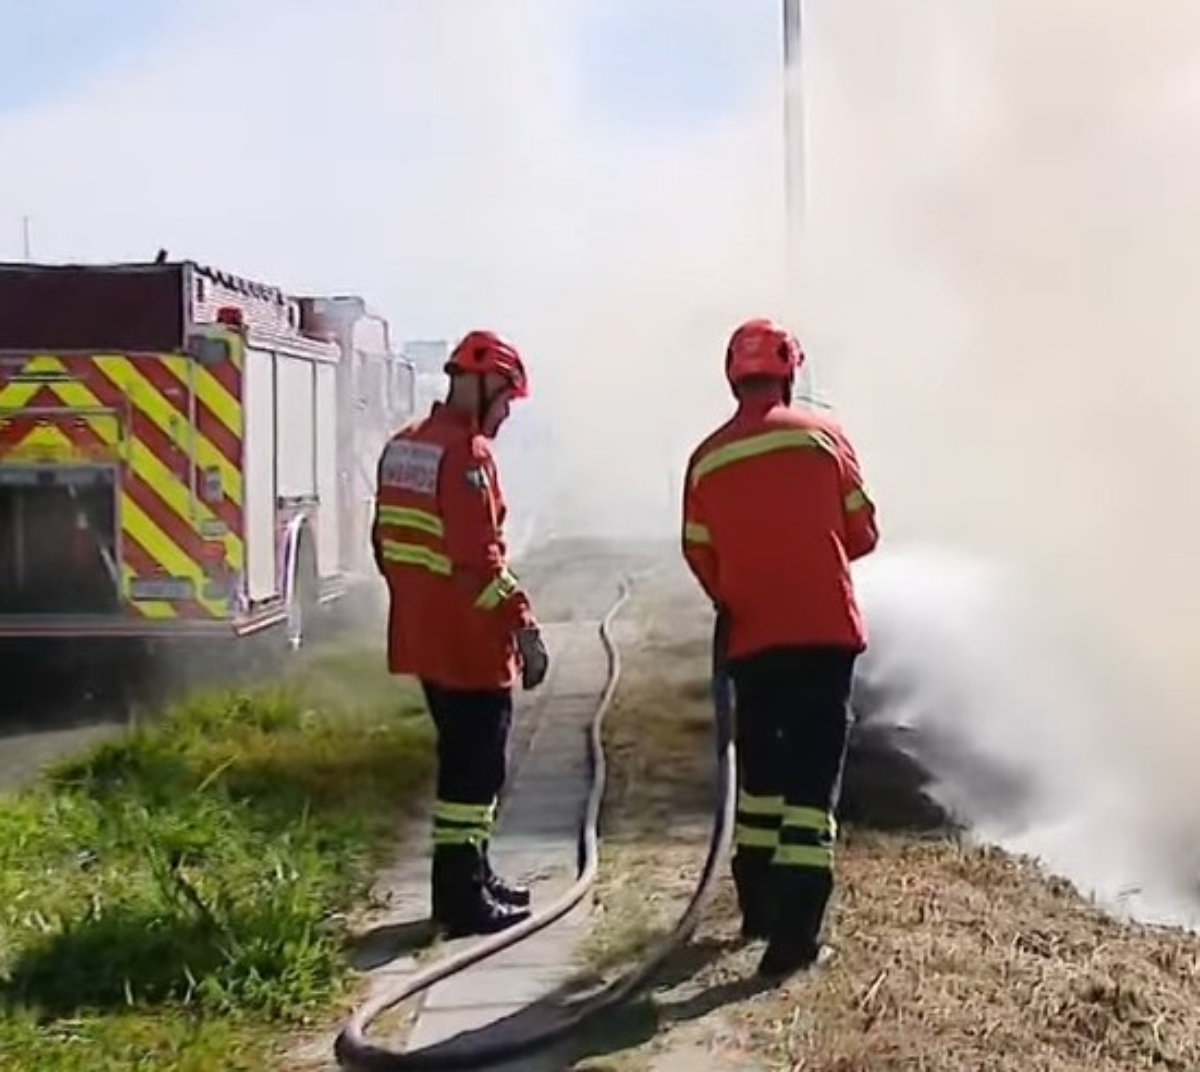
536, 841
24, 755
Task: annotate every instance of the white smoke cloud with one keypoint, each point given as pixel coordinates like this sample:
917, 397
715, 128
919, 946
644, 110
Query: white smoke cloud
1006, 244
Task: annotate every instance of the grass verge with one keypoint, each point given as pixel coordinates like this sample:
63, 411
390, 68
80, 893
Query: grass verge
177, 898
949, 957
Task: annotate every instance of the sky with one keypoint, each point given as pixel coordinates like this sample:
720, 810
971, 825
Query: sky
56, 48
639, 66
645, 61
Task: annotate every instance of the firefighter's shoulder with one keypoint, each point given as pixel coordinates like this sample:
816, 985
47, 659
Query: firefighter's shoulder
417, 428
715, 440
796, 417
819, 423
832, 427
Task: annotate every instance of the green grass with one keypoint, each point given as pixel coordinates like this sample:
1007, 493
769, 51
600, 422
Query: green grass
177, 899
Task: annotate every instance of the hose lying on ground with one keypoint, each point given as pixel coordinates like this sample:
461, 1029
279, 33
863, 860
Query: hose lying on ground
355, 1052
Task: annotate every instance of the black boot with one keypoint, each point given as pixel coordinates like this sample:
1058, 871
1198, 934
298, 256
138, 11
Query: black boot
461, 902
504, 892
751, 879
795, 943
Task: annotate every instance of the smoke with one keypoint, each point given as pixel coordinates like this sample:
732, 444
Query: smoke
1003, 254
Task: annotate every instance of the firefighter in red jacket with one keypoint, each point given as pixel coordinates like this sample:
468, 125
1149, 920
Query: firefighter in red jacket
774, 512
458, 619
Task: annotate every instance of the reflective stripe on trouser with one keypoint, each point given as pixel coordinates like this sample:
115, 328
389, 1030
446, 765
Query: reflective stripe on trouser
758, 822
462, 824
806, 838
792, 725
472, 735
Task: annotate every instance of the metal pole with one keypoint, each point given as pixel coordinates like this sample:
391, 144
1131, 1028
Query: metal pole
794, 178
793, 124
26, 240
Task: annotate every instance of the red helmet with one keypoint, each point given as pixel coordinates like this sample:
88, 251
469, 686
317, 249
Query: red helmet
481, 352
762, 348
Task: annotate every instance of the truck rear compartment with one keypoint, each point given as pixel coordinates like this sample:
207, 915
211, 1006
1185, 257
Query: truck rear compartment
58, 540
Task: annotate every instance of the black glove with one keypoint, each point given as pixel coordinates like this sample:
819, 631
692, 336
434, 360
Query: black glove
535, 659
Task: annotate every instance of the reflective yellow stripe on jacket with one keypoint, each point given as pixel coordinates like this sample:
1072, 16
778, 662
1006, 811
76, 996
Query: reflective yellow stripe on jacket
397, 521
393, 521
500, 589
756, 446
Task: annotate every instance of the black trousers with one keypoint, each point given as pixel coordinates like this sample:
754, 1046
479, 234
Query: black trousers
472, 760
792, 721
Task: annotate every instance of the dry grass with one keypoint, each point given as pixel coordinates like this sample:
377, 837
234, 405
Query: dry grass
948, 958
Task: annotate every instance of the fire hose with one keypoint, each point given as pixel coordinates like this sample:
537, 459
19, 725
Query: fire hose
357, 1053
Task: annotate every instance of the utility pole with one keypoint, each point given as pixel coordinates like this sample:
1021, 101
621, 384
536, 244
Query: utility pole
794, 168
793, 123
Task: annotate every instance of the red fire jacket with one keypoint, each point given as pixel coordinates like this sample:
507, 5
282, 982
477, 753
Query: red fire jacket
454, 606
774, 512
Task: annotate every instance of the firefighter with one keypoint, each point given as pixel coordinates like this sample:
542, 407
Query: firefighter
774, 511
458, 620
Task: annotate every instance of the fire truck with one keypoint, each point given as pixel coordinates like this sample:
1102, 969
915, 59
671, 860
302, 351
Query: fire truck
185, 453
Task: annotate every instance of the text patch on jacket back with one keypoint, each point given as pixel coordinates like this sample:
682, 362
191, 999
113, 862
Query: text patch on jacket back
411, 466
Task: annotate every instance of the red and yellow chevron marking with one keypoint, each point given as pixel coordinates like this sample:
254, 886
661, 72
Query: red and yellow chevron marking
172, 426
